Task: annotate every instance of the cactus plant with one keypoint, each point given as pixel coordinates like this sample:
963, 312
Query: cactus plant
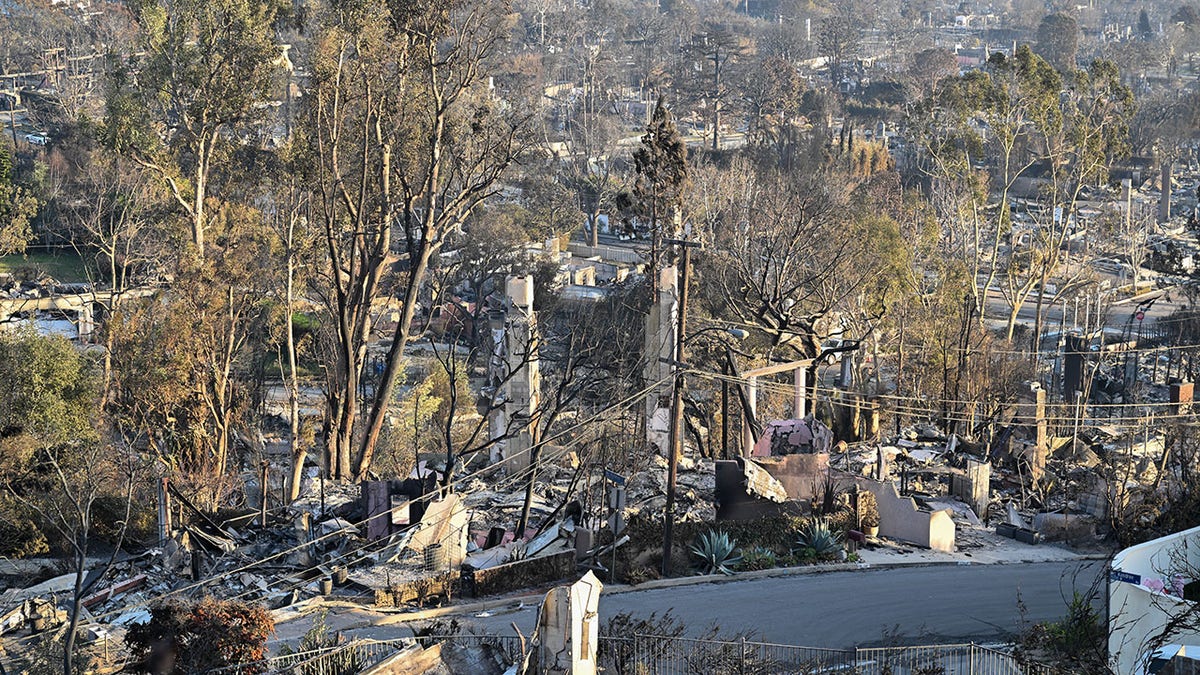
715, 552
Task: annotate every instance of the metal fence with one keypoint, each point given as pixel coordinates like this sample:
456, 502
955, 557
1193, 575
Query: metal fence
669, 655
358, 655
689, 656
963, 659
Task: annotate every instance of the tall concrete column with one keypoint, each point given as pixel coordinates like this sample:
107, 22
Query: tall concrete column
801, 394
1032, 411
85, 324
748, 439
519, 372
1164, 199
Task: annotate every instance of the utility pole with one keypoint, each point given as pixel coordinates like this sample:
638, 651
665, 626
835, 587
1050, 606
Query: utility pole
725, 411
676, 445
12, 118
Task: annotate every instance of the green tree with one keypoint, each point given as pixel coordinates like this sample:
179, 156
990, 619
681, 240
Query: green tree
1058, 40
47, 397
17, 208
52, 458
180, 108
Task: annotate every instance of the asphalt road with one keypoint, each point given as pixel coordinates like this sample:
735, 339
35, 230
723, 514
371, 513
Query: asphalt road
1118, 315
939, 604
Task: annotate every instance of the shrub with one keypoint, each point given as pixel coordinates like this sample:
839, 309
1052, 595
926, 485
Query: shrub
21, 538
868, 509
715, 552
816, 540
642, 574
1078, 643
182, 637
620, 656
775, 533
758, 558
841, 522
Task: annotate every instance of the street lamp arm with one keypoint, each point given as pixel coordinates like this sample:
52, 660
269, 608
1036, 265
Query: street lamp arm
736, 333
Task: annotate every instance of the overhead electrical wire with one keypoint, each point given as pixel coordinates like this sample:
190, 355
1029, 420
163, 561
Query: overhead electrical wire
458, 481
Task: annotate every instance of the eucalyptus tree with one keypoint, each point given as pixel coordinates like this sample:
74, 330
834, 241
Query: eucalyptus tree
405, 139
182, 105
1017, 121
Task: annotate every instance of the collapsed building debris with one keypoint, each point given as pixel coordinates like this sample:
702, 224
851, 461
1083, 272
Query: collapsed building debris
391, 543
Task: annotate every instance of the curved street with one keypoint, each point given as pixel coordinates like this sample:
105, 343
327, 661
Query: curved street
863, 608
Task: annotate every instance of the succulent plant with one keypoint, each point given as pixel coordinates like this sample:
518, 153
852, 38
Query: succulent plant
715, 552
817, 536
758, 558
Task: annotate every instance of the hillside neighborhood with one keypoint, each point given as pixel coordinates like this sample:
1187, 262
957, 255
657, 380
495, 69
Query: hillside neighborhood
599, 336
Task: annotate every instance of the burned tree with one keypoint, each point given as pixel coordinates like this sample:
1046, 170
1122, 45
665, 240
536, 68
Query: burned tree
787, 257
405, 141
661, 179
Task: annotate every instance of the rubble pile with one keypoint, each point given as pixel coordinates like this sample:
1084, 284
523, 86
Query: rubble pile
407, 542
379, 543
13, 287
695, 490
1058, 490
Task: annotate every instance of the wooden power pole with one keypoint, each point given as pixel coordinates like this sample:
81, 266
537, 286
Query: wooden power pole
676, 444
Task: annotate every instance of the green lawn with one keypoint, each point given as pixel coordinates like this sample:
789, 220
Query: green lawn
66, 268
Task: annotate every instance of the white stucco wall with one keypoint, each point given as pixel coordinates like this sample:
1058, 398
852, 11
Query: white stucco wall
900, 517
1140, 607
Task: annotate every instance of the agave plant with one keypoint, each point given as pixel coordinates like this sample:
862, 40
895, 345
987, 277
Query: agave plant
758, 558
817, 539
715, 552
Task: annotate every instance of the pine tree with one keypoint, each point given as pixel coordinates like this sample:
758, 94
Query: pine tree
662, 177
1145, 31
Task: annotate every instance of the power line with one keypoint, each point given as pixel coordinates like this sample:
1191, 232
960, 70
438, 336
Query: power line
520, 475
907, 405
456, 482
